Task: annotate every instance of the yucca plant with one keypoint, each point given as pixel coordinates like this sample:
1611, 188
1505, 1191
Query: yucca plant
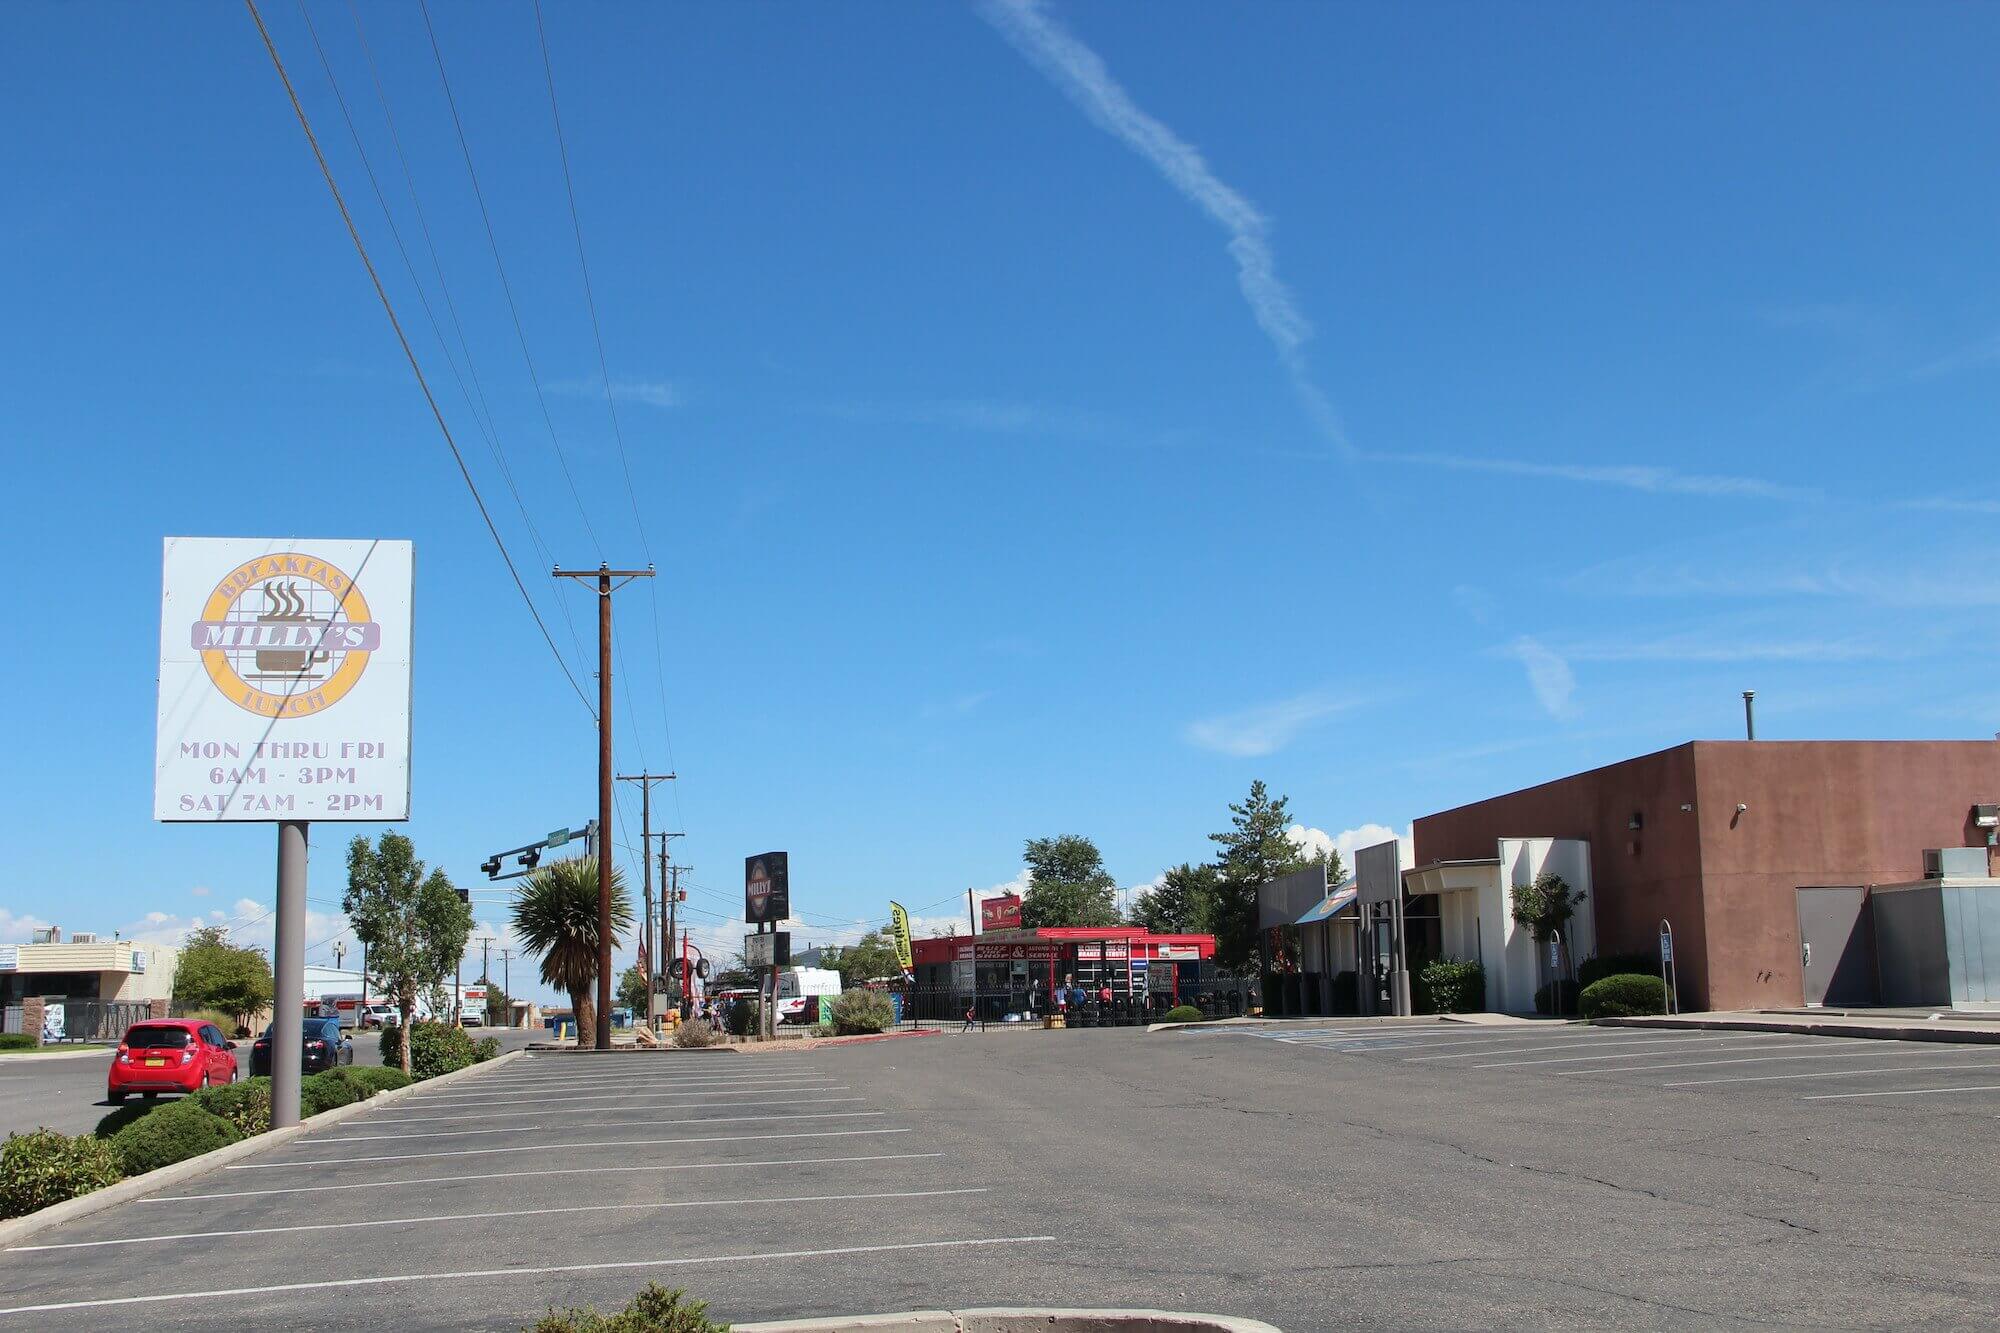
555, 915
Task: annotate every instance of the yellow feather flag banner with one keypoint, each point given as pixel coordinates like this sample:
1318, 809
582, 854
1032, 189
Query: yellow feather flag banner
899, 920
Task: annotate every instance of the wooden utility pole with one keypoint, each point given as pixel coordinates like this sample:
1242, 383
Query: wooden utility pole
609, 580
647, 962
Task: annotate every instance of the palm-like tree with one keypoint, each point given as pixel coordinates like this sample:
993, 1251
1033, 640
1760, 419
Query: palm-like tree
555, 915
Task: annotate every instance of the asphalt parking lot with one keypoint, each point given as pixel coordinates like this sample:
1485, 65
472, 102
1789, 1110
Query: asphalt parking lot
1313, 1177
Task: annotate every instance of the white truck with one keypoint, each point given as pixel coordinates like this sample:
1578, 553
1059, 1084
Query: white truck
800, 990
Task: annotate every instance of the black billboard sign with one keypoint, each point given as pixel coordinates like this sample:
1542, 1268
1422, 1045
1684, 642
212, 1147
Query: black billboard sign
767, 889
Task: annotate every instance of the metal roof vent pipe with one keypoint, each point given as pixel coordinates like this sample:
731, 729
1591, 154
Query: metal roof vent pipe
1750, 715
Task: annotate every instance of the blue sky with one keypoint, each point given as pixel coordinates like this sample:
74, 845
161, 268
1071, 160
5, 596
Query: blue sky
1045, 418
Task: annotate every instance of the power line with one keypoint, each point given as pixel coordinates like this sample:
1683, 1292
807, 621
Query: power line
507, 287
610, 398
390, 310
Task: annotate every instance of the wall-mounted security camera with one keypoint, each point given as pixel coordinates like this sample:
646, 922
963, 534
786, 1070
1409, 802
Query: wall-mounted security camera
1741, 807
1986, 816
1687, 807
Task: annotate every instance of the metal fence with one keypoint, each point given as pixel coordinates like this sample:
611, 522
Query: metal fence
10, 1020
91, 1020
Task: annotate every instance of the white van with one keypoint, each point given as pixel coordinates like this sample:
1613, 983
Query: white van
799, 992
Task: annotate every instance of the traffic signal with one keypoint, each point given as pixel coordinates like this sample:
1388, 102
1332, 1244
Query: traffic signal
530, 858
465, 896
491, 865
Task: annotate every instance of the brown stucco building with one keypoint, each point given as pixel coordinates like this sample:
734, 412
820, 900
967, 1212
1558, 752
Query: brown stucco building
1718, 837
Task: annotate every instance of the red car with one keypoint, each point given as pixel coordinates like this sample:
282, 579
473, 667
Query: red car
171, 1055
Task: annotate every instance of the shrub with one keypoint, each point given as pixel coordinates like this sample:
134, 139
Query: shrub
653, 1310
229, 1023
486, 1048
1614, 965
1556, 997
323, 1092
376, 1079
743, 1017
17, 1041
696, 1033
109, 1126
1183, 1013
1447, 986
44, 1167
435, 1048
1626, 994
861, 1011
169, 1134
246, 1105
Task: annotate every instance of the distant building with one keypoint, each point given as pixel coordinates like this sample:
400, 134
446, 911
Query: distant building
1760, 855
87, 967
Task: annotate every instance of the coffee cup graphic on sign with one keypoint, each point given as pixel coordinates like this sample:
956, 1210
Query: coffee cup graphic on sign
283, 606
767, 891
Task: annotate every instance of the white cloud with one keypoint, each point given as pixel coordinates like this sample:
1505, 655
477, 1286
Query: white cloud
1266, 729
1083, 77
653, 393
1548, 674
1634, 476
1349, 841
19, 929
199, 891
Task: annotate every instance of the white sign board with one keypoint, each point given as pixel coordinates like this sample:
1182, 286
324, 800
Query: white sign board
284, 680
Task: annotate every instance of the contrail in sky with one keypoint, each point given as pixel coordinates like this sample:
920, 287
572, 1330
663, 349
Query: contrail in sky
1082, 76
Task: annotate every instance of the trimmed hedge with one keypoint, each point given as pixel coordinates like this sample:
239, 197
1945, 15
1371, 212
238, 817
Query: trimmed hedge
743, 1017
1183, 1013
230, 1024
323, 1092
1623, 996
18, 1041
246, 1105
486, 1048
109, 1126
374, 1079
1446, 986
1557, 997
171, 1133
435, 1048
45, 1167
860, 1012
1616, 965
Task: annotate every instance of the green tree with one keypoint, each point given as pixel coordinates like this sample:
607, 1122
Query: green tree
1545, 906
555, 915
632, 991
212, 973
871, 956
1254, 850
499, 1005
1182, 901
1067, 884
413, 923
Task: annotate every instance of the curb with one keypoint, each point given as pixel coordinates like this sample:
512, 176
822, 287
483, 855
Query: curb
538, 1048
1906, 1032
17, 1229
9, 1057
1005, 1319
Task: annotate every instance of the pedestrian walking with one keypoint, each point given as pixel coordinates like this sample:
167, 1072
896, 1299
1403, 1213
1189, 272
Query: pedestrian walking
971, 1011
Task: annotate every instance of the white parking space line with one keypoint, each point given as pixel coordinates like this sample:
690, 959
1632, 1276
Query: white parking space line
504, 1212
628, 1106
1573, 1042
550, 1171
1574, 1059
570, 1124
504, 1100
553, 1148
1824, 1052
1899, 1092
210, 1294
499, 1087
1827, 1073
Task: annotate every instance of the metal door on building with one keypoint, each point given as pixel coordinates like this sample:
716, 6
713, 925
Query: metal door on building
1837, 946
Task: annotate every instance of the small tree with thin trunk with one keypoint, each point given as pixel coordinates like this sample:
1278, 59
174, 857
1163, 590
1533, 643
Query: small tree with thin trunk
1545, 906
414, 924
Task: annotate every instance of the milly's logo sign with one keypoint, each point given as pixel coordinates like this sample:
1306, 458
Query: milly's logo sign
285, 635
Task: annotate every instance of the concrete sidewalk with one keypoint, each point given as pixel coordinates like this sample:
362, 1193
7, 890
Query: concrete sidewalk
1895, 1025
